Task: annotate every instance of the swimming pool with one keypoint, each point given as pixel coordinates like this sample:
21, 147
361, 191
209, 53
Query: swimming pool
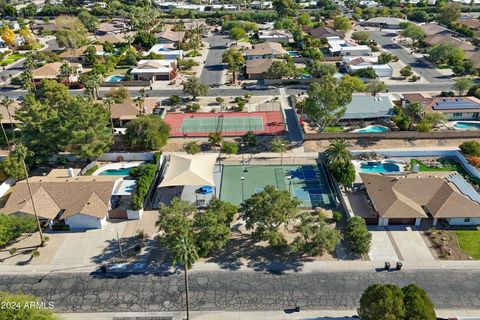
374, 166
116, 172
466, 125
293, 54
370, 129
115, 78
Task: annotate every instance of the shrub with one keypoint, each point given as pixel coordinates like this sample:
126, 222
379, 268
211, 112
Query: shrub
174, 100
240, 106
358, 235
470, 148
144, 174
474, 161
90, 171
194, 107
156, 156
337, 216
424, 126
249, 139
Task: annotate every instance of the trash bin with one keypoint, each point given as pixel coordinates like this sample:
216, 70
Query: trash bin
297, 309
387, 265
103, 269
399, 265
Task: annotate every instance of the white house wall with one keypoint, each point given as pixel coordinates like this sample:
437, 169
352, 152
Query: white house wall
461, 222
82, 221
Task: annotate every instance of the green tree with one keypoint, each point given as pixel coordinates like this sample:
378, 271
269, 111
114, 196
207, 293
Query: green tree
145, 39
382, 302
229, 147
278, 145
385, 57
316, 237
235, 62
446, 53
29, 11
415, 110
237, 33
470, 148
13, 166
23, 312
66, 70
354, 83
418, 305
281, 70
91, 82
434, 117
215, 139
361, 36
118, 94
342, 23
376, 87
462, 85
184, 252
344, 172
285, 8
192, 147
71, 33
319, 69
249, 139
414, 32
147, 133
449, 12
195, 88
89, 21
326, 102
406, 71
337, 151
358, 235
264, 212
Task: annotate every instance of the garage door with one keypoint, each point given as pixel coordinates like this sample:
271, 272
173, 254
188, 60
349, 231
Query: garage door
396, 221
117, 214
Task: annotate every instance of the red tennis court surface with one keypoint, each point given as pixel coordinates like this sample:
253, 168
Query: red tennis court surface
229, 123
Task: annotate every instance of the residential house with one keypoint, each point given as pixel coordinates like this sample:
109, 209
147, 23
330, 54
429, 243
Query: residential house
473, 24
112, 38
456, 108
79, 55
383, 22
368, 108
154, 70
433, 29
113, 27
353, 64
436, 40
257, 68
169, 36
409, 198
326, 32
474, 56
124, 112
282, 36
52, 71
261, 5
166, 50
266, 50
62, 197
8, 116
340, 47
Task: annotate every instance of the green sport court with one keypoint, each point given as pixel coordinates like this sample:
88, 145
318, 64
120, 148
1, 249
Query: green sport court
222, 124
308, 183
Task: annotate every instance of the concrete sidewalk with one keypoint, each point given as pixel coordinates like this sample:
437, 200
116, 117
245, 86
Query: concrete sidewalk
254, 315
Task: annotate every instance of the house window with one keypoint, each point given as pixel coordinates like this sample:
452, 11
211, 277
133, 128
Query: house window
457, 114
475, 114
466, 220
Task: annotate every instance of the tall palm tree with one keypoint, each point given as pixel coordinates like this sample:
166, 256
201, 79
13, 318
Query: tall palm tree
7, 103
139, 102
338, 151
4, 133
278, 145
184, 252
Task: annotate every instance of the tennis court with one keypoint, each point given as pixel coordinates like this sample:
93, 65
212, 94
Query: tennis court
228, 123
307, 183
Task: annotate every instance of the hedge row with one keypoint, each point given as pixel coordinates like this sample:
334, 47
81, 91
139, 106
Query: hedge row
144, 174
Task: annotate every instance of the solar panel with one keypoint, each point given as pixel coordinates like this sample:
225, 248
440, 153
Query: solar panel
456, 103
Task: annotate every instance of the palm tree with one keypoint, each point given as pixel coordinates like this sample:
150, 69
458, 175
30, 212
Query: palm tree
7, 103
139, 102
108, 102
415, 110
3, 131
215, 139
338, 151
66, 70
184, 252
279, 145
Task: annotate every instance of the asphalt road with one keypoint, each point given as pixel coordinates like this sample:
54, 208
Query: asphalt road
420, 65
228, 290
213, 70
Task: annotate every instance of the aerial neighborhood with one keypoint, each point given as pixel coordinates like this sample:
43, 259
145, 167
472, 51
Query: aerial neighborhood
279, 148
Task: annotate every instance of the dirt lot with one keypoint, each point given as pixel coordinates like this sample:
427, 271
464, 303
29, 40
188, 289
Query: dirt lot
444, 245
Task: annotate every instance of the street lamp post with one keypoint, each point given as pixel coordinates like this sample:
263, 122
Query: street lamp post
242, 146
242, 179
281, 154
289, 184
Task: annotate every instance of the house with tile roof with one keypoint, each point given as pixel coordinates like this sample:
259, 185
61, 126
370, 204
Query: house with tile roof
454, 108
266, 50
155, 70
51, 71
410, 198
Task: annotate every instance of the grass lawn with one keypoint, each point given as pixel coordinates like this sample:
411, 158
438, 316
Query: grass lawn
119, 71
333, 129
449, 165
246, 39
469, 241
11, 59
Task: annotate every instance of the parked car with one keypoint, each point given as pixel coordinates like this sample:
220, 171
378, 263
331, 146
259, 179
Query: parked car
205, 190
257, 87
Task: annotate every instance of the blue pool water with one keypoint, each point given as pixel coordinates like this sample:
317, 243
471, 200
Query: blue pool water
116, 172
372, 129
379, 167
116, 78
293, 54
463, 125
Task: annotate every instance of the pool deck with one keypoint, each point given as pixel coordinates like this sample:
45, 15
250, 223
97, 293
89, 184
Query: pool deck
116, 166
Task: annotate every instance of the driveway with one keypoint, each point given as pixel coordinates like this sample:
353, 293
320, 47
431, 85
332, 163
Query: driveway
382, 248
420, 65
85, 247
213, 71
410, 244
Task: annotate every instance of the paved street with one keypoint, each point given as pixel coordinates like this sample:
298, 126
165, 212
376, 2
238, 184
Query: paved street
243, 291
213, 70
421, 66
